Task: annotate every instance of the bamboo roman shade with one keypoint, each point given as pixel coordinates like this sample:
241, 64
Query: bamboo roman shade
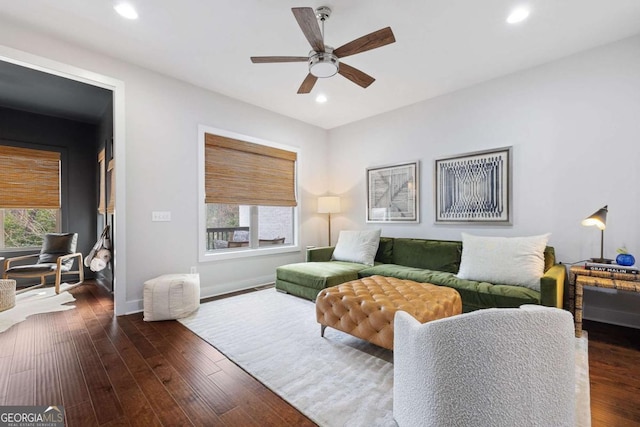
103, 181
243, 173
29, 179
111, 170
109, 202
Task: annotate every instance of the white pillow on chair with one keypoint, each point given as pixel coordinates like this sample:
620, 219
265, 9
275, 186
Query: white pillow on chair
357, 246
503, 260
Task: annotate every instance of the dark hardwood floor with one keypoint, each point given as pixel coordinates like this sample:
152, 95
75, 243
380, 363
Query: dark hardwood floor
614, 373
123, 371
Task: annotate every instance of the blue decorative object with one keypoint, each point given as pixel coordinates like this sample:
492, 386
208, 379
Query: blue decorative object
625, 259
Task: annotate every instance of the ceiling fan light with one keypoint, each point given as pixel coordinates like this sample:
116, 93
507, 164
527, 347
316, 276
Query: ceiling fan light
323, 65
518, 15
126, 10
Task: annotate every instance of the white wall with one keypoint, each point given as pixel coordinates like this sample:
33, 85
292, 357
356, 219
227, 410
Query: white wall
574, 125
162, 118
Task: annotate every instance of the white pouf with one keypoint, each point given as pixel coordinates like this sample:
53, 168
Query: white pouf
171, 296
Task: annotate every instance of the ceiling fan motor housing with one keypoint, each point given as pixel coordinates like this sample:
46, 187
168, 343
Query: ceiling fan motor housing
323, 64
323, 13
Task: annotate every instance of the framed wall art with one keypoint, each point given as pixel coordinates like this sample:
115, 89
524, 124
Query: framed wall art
392, 193
474, 188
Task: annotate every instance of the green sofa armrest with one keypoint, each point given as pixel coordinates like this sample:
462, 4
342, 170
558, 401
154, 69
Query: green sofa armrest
321, 254
552, 286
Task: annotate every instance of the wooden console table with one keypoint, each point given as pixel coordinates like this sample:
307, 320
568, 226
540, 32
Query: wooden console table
579, 277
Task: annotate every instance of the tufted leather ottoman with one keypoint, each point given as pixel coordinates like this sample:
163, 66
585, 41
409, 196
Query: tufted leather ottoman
365, 308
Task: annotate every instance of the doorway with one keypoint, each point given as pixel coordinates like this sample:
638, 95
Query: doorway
111, 136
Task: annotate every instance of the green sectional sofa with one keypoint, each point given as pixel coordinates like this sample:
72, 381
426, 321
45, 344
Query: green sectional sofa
420, 260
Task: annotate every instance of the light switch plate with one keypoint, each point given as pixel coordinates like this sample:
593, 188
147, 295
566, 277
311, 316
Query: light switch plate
161, 216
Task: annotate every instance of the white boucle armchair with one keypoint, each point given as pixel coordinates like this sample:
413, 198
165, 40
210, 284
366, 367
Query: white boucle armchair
493, 367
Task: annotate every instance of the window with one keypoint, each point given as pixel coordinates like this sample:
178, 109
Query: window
248, 189
230, 226
24, 228
29, 196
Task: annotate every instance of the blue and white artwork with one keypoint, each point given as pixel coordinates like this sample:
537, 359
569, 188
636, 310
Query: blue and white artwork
474, 188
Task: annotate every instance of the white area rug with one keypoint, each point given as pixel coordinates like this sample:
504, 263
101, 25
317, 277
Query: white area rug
338, 380
42, 300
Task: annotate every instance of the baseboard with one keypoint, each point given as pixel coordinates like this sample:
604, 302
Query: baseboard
136, 306
213, 291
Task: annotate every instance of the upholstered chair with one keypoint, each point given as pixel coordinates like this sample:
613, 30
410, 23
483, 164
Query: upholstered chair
493, 367
56, 258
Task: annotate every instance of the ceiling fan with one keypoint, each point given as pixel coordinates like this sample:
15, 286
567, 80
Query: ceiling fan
324, 61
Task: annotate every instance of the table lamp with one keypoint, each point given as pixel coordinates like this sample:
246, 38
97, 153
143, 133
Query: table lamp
599, 219
329, 205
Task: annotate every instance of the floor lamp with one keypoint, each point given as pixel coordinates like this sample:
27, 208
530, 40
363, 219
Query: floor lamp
599, 219
329, 205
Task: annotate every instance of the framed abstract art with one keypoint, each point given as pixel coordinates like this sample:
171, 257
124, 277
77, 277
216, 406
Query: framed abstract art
392, 193
474, 188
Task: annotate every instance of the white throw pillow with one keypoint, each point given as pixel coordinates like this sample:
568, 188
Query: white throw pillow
357, 246
503, 260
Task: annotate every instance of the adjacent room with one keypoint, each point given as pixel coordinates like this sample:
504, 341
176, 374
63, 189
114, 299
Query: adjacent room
329, 213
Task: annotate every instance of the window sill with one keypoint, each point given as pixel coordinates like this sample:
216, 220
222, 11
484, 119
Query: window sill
20, 251
246, 252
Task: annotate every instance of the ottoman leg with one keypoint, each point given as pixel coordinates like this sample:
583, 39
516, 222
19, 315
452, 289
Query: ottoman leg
322, 328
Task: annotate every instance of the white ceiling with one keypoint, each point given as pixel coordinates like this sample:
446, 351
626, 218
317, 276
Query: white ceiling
441, 45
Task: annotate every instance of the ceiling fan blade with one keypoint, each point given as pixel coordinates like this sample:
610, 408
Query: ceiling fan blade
270, 59
355, 75
370, 41
308, 22
308, 83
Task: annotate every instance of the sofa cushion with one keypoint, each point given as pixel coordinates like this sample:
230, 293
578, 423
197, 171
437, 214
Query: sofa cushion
357, 246
438, 255
474, 294
504, 260
319, 275
398, 271
477, 294
385, 250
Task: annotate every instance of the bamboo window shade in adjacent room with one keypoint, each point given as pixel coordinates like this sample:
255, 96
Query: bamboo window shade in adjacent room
103, 181
111, 170
244, 173
29, 179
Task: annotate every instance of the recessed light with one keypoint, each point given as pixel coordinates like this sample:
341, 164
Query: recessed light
321, 99
126, 10
518, 15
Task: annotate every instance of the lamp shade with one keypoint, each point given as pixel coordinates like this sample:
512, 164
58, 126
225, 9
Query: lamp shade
328, 204
599, 218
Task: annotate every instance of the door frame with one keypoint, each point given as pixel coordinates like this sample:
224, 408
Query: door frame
71, 72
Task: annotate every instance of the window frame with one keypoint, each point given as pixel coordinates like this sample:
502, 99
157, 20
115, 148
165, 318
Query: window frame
244, 252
